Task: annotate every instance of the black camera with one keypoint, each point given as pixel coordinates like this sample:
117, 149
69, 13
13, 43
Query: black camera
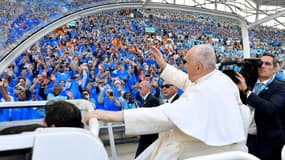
131, 101
248, 68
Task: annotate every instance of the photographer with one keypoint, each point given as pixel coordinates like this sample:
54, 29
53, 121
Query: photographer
129, 102
267, 99
100, 88
108, 99
86, 95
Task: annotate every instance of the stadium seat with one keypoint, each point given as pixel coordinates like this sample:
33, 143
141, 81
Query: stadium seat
233, 155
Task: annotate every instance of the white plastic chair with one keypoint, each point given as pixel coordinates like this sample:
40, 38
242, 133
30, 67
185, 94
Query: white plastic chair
67, 143
232, 155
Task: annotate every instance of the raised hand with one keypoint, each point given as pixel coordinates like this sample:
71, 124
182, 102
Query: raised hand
94, 114
158, 57
52, 77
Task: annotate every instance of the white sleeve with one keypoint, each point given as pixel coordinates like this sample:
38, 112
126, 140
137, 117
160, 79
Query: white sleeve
146, 121
175, 76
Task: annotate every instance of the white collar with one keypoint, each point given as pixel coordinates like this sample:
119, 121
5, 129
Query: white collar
144, 97
265, 82
204, 77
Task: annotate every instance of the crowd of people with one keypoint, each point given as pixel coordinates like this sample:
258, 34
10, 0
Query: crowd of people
17, 17
103, 57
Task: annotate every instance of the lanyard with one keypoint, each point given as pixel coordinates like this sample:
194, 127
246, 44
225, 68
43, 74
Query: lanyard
257, 89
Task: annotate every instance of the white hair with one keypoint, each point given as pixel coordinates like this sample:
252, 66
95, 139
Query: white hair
205, 54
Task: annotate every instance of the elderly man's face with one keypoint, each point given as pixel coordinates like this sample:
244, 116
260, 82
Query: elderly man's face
191, 65
143, 89
168, 90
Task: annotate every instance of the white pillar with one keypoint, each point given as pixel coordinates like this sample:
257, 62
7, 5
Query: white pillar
245, 40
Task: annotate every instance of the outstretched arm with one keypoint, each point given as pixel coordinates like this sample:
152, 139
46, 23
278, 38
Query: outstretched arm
106, 116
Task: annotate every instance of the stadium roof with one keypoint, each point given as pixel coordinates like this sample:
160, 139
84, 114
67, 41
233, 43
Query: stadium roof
265, 12
20, 20
271, 2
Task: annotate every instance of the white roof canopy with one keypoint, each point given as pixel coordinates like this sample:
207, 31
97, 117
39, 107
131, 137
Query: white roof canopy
271, 12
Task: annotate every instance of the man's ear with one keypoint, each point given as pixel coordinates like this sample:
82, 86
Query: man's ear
199, 67
275, 69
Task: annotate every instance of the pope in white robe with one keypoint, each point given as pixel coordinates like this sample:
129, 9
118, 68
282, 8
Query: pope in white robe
206, 119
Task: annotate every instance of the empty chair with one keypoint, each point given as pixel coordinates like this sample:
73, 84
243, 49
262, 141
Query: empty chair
67, 143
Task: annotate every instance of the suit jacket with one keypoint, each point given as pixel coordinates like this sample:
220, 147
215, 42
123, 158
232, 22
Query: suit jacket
270, 120
175, 98
147, 140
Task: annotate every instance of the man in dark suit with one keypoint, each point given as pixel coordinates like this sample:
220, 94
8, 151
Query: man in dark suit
267, 99
148, 101
169, 91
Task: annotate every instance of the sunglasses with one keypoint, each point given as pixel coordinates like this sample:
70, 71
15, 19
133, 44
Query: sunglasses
166, 86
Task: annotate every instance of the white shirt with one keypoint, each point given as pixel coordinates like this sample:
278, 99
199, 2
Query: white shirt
170, 99
144, 97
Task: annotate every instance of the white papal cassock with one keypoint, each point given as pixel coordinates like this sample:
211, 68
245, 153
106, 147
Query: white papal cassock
205, 119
